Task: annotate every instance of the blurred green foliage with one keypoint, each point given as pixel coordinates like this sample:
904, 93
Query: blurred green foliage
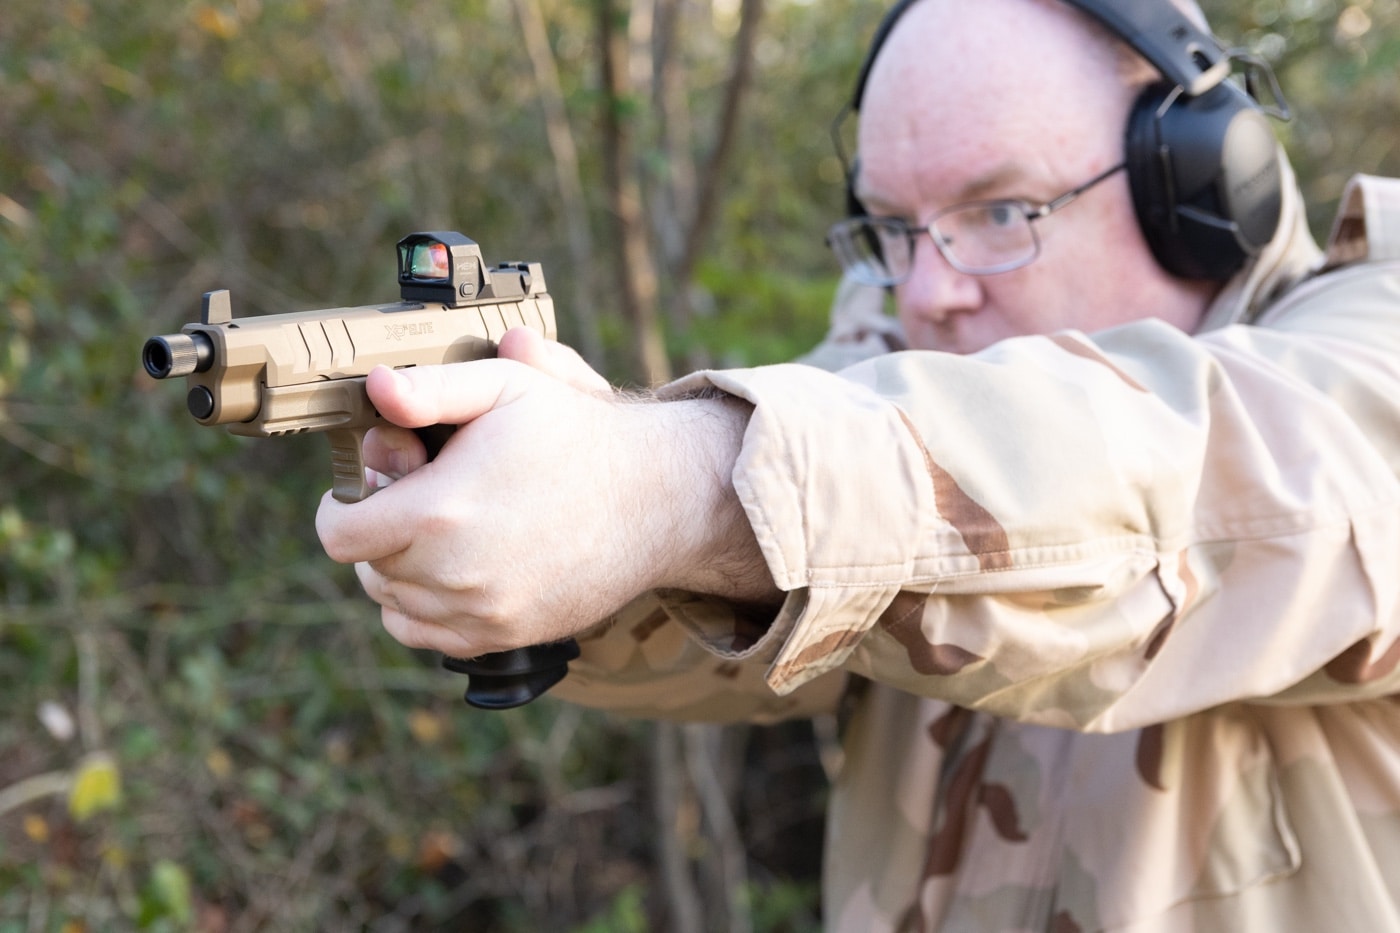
276, 762
1336, 61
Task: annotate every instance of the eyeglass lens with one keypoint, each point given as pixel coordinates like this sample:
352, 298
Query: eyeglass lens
985, 237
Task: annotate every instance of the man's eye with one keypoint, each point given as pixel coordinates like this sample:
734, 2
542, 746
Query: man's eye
1001, 215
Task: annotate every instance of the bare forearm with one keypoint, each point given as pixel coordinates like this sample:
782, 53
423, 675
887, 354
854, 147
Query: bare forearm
704, 540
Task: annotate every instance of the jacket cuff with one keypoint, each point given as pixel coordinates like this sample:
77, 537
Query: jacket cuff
793, 477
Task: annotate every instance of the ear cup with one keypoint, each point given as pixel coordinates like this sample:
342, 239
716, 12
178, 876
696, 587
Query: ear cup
1205, 178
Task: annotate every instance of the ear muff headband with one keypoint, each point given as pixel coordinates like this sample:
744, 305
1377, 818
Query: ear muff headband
1202, 159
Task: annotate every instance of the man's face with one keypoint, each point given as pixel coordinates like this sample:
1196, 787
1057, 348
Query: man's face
1010, 99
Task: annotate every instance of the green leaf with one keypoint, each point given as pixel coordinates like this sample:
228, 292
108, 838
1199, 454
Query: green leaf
170, 889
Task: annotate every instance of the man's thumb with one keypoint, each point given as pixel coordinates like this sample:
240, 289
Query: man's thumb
525, 345
454, 393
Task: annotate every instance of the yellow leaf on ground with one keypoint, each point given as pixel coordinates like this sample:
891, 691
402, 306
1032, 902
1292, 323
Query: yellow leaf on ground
36, 827
426, 726
96, 787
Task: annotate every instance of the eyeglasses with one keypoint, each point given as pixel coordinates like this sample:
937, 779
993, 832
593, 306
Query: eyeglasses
976, 238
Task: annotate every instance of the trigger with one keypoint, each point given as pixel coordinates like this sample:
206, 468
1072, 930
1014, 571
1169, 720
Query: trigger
348, 465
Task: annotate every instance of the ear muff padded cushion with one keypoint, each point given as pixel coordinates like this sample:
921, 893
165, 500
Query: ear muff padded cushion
1205, 179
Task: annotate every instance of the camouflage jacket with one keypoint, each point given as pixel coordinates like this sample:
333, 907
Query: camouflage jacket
1118, 614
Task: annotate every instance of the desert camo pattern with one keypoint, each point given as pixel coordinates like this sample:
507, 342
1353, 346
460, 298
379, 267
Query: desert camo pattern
1117, 615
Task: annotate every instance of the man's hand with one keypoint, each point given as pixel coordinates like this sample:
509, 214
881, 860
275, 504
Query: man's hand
552, 506
393, 452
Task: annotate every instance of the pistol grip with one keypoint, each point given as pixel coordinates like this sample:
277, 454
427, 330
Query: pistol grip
503, 679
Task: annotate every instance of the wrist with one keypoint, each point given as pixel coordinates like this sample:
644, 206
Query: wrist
699, 534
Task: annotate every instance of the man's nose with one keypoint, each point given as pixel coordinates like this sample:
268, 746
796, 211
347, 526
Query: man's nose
934, 289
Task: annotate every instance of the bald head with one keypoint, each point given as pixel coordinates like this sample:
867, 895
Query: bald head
970, 100
1021, 73
1132, 67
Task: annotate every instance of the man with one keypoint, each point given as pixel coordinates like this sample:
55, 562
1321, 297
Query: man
1111, 586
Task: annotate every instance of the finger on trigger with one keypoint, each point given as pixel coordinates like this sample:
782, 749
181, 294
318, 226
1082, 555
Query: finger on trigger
394, 452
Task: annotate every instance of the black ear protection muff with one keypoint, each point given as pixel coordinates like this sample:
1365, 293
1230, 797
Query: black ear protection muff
1203, 163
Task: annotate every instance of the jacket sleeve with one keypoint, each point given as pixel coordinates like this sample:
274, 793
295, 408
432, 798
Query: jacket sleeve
1094, 533
645, 661
680, 656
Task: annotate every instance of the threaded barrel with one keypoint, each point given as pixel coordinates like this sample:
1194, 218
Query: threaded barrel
177, 355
